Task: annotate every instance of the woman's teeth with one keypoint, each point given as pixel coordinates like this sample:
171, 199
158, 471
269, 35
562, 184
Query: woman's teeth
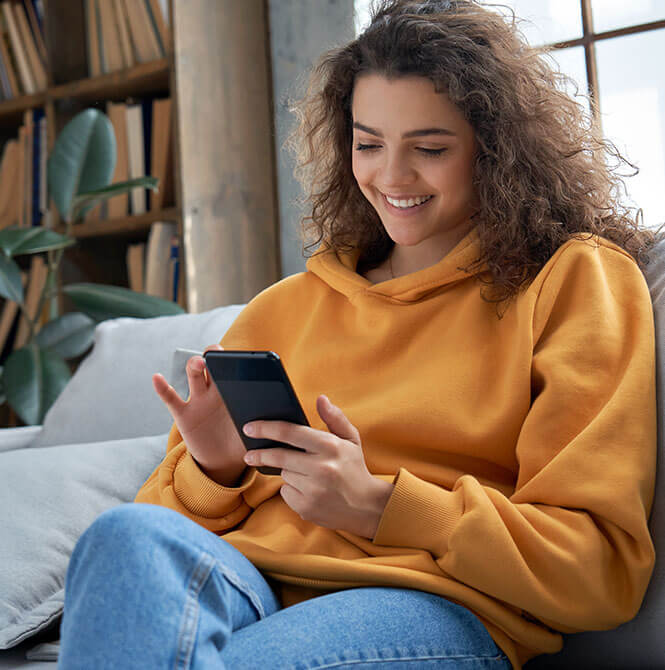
411, 202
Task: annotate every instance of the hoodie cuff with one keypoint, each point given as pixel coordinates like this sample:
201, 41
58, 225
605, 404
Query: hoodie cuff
419, 514
203, 496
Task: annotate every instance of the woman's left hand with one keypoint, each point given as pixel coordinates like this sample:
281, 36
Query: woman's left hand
328, 483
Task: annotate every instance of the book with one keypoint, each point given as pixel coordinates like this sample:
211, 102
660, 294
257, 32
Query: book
92, 42
43, 162
27, 168
174, 267
136, 266
123, 32
36, 177
20, 178
113, 58
146, 117
136, 155
8, 183
25, 74
36, 281
36, 28
158, 24
9, 65
118, 205
158, 274
162, 153
36, 66
143, 37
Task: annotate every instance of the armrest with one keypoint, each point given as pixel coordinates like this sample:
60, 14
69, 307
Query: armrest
17, 438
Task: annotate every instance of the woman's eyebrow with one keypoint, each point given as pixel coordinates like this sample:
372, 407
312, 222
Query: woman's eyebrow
411, 133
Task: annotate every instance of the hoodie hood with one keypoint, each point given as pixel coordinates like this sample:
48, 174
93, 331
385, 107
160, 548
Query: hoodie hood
338, 270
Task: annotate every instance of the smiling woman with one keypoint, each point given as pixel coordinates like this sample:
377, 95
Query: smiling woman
473, 482
419, 147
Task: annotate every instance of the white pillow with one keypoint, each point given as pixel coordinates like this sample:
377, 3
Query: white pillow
48, 497
110, 396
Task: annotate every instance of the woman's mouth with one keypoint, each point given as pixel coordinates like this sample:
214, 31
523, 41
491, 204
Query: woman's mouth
406, 206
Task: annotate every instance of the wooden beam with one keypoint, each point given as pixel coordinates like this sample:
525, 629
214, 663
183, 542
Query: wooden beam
223, 99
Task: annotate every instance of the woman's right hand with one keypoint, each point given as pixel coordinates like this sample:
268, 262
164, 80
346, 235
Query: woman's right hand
204, 422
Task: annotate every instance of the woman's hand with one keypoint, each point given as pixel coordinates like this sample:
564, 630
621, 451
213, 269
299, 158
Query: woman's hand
329, 483
204, 423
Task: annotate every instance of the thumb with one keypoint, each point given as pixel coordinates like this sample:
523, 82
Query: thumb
336, 420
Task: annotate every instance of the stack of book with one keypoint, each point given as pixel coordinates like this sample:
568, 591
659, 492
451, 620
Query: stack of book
143, 133
22, 49
23, 190
154, 267
124, 33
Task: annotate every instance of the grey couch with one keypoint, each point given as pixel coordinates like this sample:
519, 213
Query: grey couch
107, 432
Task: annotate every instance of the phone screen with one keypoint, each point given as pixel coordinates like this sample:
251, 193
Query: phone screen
254, 386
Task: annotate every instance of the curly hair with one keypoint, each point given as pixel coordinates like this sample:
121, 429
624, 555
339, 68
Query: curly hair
541, 173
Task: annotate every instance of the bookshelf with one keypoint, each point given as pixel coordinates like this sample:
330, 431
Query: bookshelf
224, 186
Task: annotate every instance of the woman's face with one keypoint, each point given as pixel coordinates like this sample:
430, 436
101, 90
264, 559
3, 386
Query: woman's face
411, 144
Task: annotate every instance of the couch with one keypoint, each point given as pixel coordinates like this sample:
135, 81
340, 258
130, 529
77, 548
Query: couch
107, 431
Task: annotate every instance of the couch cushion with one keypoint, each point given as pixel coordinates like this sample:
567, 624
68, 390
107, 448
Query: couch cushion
110, 396
48, 497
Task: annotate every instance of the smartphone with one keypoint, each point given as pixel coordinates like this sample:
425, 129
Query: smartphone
254, 385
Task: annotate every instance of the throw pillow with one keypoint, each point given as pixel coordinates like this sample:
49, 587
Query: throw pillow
110, 396
48, 497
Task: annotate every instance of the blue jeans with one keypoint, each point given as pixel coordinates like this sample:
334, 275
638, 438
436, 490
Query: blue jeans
148, 588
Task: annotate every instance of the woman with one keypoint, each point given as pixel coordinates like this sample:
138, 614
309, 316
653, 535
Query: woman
477, 314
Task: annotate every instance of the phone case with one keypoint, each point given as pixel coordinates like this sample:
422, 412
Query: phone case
254, 385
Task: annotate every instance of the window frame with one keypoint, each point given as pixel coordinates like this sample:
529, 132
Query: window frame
588, 41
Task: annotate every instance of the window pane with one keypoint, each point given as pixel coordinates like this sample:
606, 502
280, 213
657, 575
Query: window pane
632, 104
611, 14
361, 15
571, 62
546, 21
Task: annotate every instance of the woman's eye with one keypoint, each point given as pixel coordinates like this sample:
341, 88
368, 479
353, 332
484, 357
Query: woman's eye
427, 152
431, 152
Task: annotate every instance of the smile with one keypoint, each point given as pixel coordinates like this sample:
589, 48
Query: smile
405, 207
406, 203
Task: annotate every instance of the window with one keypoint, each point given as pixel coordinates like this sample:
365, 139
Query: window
614, 51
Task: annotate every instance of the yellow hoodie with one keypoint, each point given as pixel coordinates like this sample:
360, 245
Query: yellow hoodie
522, 450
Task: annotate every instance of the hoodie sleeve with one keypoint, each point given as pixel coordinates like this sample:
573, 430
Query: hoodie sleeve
571, 545
179, 483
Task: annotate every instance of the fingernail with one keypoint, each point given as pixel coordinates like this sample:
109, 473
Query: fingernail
250, 458
249, 429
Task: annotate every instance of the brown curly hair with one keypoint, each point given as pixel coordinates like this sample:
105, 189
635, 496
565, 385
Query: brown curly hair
541, 173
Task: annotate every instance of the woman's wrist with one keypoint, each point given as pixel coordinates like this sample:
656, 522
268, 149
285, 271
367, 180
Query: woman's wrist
228, 475
379, 495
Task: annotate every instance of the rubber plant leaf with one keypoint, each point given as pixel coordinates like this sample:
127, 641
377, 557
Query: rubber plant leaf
33, 379
101, 302
69, 335
83, 159
16, 241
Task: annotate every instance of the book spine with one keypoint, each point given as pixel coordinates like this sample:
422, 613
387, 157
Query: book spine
27, 80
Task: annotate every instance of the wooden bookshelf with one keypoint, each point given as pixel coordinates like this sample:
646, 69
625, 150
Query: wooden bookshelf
136, 81
217, 74
121, 226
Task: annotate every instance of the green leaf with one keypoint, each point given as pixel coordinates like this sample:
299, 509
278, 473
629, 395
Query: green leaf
11, 286
101, 302
33, 379
83, 200
83, 159
15, 241
68, 336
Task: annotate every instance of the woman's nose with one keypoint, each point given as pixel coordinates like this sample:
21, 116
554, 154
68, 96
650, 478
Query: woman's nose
396, 171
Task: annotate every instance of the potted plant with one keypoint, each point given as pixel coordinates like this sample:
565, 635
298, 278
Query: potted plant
79, 173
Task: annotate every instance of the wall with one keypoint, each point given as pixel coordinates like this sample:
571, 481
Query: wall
300, 30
